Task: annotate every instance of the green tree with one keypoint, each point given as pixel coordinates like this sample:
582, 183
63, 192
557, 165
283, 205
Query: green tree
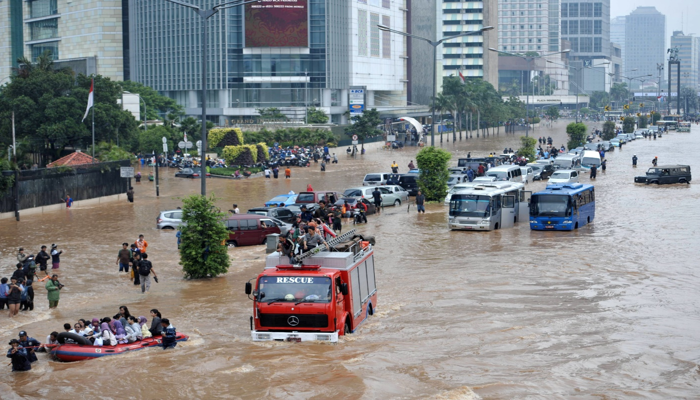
599, 99
552, 112
643, 122
527, 148
271, 113
608, 130
655, 117
619, 92
316, 116
157, 105
49, 104
628, 125
434, 174
365, 125
107, 151
577, 134
203, 233
151, 140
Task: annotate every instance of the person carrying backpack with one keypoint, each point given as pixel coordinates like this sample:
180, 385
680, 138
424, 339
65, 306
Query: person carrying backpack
145, 268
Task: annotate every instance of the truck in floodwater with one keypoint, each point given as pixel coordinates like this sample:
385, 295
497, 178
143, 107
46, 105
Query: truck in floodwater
322, 296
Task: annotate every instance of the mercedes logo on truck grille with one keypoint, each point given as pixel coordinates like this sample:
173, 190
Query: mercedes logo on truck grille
293, 320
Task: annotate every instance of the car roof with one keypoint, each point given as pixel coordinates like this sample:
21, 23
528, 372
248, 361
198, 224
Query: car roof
672, 166
169, 211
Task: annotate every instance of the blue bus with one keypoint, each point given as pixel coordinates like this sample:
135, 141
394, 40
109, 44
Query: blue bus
562, 207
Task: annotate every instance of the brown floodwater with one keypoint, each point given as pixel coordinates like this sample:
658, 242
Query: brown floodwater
608, 311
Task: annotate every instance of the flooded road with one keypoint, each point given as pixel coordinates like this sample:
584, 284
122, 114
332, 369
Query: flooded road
609, 311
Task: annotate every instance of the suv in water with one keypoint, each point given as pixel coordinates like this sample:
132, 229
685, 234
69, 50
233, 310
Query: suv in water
666, 174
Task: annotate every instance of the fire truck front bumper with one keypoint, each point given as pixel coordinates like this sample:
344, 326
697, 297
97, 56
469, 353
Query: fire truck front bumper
266, 336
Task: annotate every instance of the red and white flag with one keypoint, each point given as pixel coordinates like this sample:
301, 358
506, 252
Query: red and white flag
461, 76
90, 98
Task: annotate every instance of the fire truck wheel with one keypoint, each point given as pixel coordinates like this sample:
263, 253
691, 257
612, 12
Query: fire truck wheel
370, 310
347, 330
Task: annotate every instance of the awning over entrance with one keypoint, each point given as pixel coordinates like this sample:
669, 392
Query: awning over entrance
416, 125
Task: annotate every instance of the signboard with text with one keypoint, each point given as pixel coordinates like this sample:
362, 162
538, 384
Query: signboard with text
275, 23
356, 100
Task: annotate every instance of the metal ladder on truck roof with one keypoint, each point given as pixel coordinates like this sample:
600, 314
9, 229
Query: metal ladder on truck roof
331, 243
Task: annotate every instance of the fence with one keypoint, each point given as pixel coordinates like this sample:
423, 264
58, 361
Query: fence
47, 186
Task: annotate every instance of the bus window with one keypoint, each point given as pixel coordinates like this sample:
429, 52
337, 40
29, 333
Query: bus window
508, 201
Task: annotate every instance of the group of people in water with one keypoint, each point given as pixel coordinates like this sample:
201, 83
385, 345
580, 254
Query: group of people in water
122, 328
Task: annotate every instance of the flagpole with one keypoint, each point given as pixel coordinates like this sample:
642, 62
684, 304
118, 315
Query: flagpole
93, 120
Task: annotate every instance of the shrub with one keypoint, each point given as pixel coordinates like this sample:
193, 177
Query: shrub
203, 251
608, 130
577, 134
263, 153
628, 125
241, 155
225, 137
527, 148
433, 177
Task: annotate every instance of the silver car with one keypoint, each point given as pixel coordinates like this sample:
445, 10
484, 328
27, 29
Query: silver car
391, 194
171, 219
284, 227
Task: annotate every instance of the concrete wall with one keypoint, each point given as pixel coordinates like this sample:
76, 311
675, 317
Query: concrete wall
59, 207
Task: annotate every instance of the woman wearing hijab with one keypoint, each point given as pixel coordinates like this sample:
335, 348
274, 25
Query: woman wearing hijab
133, 330
96, 326
108, 338
145, 333
156, 327
121, 333
119, 317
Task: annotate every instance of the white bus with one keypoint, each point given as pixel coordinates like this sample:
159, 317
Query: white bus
488, 206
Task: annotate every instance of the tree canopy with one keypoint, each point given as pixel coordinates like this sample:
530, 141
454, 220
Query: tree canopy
365, 125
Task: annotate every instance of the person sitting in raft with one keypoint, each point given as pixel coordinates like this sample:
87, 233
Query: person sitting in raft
108, 338
120, 334
145, 332
169, 334
133, 330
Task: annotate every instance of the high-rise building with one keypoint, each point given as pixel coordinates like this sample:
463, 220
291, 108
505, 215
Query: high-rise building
689, 56
290, 56
585, 24
645, 39
85, 35
470, 54
617, 35
422, 17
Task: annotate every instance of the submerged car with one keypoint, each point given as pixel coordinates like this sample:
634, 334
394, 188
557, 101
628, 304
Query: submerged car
666, 174
564, 176
541, 171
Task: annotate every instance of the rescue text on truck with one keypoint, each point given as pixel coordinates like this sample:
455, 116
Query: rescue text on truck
325, 295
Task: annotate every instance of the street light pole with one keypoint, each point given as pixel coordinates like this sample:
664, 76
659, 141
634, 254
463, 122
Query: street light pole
435, 44
205, 15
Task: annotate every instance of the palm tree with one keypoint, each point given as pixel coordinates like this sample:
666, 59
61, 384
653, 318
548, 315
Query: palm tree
619, 91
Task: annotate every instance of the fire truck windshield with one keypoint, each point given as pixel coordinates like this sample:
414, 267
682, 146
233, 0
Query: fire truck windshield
297, 289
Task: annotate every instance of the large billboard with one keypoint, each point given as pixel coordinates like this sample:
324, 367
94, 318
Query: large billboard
277, 23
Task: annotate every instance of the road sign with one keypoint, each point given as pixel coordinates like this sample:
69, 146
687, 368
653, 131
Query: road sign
165, 140
165, 147
641, 105
199, 143
355, 142
607, 108
354, 137
181, 144
126, 172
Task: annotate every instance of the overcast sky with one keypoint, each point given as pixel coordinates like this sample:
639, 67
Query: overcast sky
680, 14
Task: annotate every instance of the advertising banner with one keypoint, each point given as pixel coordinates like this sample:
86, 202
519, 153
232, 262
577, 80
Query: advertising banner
277, 23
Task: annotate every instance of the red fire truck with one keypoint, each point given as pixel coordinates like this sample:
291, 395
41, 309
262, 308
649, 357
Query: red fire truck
326, 294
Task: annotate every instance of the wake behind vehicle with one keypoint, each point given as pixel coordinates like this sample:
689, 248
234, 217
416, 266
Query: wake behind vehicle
190, 173
323, 296
666, 174
487, 207
562, 207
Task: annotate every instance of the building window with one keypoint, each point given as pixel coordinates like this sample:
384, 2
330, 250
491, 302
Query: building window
585, 45
574, 44
573, 10
564, 10
42, 8
47, 29
39, 49
386, 4
597, 10
386, 38
598, 27
586, 10
597, 45
573, 27
564, 27
586, 27
362, 32
374, 35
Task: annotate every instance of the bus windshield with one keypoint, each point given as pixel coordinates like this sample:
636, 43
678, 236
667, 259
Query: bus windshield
548, 205
298, 289
469, 205
590, 161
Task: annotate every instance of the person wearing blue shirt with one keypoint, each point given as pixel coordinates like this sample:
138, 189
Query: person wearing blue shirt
4, 291
19, 356
29, 343
178, 235
169, 334
306, 215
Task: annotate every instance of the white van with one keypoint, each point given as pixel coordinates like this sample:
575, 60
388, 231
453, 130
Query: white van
590, 159
506, 173
567, 161
377, 179
528, 174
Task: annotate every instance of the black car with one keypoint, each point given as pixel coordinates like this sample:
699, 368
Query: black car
296, 208
190, 173
542, 171
666, 174
282, 213
410, 183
